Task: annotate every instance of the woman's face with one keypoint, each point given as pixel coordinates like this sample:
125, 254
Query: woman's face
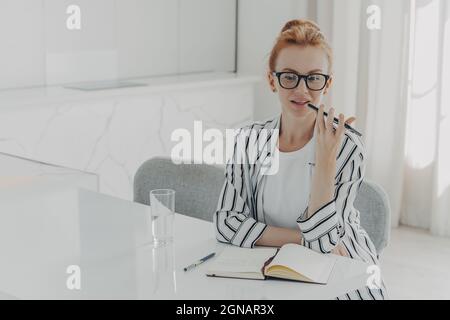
304, 61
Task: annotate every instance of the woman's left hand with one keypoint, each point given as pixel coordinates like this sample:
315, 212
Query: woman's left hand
328, 138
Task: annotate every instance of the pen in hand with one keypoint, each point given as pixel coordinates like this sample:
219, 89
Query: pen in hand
335, 120
199, 261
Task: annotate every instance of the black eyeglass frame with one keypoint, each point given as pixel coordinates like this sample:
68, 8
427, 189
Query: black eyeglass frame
300, 77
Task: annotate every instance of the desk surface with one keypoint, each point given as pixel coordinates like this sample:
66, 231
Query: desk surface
42, 233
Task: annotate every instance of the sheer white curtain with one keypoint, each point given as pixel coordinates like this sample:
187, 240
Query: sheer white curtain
427, 170
396, 80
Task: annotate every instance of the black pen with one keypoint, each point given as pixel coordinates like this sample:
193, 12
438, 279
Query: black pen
335, 120
199, 261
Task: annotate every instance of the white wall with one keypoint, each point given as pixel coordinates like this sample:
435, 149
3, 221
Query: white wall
118, 39
22, 53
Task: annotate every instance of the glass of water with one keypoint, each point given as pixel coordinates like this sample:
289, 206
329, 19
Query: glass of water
162, 203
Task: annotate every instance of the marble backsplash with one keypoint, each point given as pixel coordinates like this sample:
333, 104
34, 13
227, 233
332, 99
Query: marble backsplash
111, 135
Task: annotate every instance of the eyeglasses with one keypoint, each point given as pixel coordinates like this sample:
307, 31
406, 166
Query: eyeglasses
290, 80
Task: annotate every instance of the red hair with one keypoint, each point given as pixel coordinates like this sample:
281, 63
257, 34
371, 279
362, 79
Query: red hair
302, 33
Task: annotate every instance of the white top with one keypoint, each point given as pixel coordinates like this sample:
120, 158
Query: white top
286, 193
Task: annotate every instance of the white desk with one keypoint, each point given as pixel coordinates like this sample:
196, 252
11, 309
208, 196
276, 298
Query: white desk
42, 232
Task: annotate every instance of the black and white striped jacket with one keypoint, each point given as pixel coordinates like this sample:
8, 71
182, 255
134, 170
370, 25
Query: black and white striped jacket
239, 219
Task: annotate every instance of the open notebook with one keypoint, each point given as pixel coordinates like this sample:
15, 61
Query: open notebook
291, 262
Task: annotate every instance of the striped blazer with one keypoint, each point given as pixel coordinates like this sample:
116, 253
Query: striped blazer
239, 219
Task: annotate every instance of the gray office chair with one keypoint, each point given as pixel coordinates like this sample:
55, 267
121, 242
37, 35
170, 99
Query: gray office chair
198, 187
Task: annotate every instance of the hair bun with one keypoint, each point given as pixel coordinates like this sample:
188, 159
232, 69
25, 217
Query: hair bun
300, 24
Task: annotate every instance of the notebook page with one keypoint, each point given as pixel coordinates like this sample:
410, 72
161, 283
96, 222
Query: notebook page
309, 263
236, 259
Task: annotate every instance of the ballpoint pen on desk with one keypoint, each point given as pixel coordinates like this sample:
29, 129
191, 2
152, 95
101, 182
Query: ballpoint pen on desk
199, 261
335, 120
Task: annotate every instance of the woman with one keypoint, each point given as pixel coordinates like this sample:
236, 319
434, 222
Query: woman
319, 166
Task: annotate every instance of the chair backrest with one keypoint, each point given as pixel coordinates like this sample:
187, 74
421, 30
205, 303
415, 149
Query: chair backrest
373, 205
198, 187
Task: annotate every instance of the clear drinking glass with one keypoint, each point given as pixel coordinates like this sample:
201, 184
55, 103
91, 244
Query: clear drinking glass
162, 203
